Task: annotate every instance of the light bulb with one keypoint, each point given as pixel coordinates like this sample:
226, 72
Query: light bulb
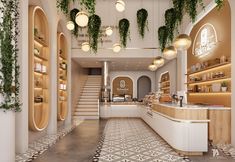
117, 47
109, 31
120, 5
169, 52
85, 46
82, 19
152, 67
70, 25
182, 42
159, 61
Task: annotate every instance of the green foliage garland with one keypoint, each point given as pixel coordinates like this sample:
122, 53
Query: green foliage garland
179, 8
73, 14
191, 8
124, 31
162, 37
94, 25
142, 21
63, 5
219, 3
171, 23
9, 55
89, 5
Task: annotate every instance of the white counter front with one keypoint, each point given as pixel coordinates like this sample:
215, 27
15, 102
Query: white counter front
185, 136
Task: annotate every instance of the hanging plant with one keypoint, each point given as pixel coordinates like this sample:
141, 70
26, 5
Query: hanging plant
73, 14
124, 31
191, 8
9, 69
220, 4
179, 6
142, 21
63, 5
89, 5
162, 37
94, 25
170, 23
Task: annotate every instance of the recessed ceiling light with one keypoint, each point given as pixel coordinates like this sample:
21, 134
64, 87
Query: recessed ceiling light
82, 19
70, 25
120, 5
85, 46
117, 47
109, 31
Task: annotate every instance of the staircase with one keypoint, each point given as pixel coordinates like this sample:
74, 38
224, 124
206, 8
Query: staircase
88, 105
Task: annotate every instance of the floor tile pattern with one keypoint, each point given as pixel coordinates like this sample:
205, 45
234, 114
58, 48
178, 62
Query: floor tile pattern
41, 145
131, 140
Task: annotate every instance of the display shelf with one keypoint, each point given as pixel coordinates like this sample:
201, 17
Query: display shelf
165, 83
209, 93
62, 108
164, 88
38, 40
210, 81
210, 68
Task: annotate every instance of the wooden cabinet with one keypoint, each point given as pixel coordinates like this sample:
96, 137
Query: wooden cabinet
62, 50
39, 70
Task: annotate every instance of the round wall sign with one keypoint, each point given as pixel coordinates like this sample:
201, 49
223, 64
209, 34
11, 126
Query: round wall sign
122, 84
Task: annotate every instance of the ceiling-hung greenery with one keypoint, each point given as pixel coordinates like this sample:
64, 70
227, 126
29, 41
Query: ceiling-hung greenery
124, 31
170, 23
63, 5
94, 25
142, 21
162, 37
219, 3
9, 69
73, 13
179, 8
191, 8
89, 5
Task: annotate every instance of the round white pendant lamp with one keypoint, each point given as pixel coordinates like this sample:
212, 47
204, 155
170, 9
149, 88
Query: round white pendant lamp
82, 19
85, 46
70, 25
169, 52
182, 42
120, 5
159, 61
109, 31
152, 67
117, 47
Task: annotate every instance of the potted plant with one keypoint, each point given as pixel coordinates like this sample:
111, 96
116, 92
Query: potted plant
224, 86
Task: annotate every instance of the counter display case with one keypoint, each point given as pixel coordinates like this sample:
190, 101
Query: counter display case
62, 50
39, 75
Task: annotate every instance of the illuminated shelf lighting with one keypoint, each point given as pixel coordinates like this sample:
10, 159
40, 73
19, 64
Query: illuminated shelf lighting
211, 68
165, 88
165, 82
209, 93
209, 81
39, 73
39, 57
39, 42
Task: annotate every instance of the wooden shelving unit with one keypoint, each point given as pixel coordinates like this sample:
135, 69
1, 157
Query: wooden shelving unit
165, 83
39, 99
62, 108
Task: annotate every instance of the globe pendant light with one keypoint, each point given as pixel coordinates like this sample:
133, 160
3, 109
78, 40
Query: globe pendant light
169, 52
70, 25
152, 67
159, 61
82, 19
109, 31
120, 5
117, 47
182, 42
85, 46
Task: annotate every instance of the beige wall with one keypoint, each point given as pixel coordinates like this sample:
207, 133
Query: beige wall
78, 76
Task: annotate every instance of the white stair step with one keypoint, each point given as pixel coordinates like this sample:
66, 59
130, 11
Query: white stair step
86, 110
86, 117
86, 113
88, 100
89, 97
88, 103
87, 106
90, 94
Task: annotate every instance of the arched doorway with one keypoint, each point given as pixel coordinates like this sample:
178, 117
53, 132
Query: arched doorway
143, 87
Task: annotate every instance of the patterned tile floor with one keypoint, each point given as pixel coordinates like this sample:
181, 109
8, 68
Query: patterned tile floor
131, 140
41, 145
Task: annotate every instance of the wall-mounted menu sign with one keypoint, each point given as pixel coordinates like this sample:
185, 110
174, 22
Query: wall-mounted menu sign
122, 86
205, 40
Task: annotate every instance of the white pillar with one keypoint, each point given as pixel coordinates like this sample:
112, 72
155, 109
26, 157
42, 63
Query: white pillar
52, 127
7, 136
22, 117
181, 70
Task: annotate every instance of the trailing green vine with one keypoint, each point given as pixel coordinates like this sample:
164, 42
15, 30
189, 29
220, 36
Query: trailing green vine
89, 5
142, 22
179, 8
124, 31
63, 5
191, 8
170, 23
162, 37
94, 25
9, 77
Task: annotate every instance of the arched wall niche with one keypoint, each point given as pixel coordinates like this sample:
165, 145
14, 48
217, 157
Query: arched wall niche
143, 86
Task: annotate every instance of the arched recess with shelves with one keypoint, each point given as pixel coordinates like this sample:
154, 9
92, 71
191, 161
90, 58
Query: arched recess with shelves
39, 70
62, 95
164, 83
